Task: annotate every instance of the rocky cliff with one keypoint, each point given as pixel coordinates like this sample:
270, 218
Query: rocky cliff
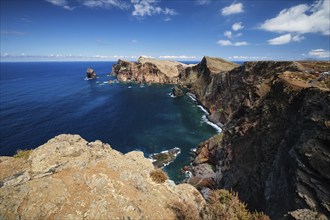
148, 70
275, 146
70, 178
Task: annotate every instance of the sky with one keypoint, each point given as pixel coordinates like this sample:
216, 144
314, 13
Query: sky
108, 30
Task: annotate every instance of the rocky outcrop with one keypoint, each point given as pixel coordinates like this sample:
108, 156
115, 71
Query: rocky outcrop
70, 178
90, 73
274, 150
165, 157
163, 71
148, 70
176, 91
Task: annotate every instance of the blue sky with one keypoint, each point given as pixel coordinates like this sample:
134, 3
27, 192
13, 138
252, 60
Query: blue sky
58, 30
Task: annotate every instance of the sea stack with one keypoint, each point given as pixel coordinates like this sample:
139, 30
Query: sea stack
90, 73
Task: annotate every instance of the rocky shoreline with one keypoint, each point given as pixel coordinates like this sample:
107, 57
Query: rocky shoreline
276, 124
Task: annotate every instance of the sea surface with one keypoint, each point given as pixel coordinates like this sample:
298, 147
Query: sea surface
41, 100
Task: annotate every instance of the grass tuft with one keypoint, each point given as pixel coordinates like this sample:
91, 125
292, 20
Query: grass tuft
22, 153
158, 176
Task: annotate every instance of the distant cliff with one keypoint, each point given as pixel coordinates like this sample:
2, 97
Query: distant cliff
275, 146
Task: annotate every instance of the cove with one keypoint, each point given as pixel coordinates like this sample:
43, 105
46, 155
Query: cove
41, 100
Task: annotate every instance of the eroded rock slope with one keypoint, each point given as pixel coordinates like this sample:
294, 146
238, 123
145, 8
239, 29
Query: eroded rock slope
70, 178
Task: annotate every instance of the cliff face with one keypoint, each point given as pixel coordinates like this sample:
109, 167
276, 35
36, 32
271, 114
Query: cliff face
275, 146
148, 70
70, 178
162, 71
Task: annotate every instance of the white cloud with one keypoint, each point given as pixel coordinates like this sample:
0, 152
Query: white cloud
134, 41
105, 4
224, 42
149, 7
229, 43
285, 39
320, 53
301, 19
297, 38
228, 34
203, 2
167, 19
246, 58
232, 9
241, 43
62, 3
177, 57
6, 32
237, 26
25, 19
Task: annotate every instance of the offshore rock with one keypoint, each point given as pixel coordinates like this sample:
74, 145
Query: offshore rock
70, 178
176, 91
90, 73
165, 157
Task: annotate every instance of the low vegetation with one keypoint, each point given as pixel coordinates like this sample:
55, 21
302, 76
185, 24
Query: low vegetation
222, 204
158, 176
226, 205
22, 153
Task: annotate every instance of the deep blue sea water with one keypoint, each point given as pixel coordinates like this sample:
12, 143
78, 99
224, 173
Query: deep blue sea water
41, 100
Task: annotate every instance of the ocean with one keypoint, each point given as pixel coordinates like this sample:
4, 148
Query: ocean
39, 100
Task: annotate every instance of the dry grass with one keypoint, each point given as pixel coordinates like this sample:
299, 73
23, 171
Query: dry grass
184, 211
222, 205
226, 205
158, 176
22, 153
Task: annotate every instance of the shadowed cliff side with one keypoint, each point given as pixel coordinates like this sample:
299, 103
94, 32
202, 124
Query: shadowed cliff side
274, 150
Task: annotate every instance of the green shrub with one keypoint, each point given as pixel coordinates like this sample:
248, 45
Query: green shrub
22, 153
158, 176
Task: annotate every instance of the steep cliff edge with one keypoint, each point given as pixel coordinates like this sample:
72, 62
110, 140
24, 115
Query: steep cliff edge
70, 178
275, 146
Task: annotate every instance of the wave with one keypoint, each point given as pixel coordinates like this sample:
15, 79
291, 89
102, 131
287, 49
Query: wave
171, 95
192, 96
207, 121
203, 109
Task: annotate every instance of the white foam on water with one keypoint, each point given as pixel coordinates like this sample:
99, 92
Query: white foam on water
192, 96
203, 109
